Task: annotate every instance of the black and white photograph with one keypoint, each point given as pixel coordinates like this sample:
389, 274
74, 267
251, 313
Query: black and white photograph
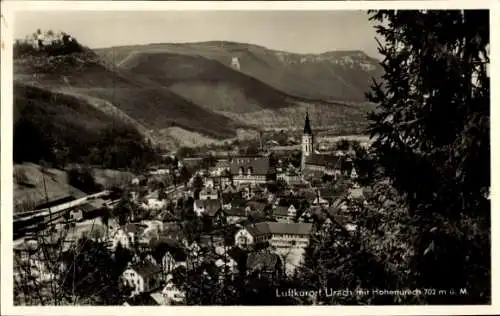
250, 157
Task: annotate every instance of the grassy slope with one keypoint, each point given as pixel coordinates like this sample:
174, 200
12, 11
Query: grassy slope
66, 116
30, 191
151, 105
207, 82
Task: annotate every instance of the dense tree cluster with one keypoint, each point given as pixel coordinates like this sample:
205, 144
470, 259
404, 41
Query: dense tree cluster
425, 220
91, 275
116, 146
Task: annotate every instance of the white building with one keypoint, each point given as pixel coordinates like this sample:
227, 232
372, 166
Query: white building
142, 277
128, 235
288, 240
279, 235
172, 294
285, 214
209, 193
211, 206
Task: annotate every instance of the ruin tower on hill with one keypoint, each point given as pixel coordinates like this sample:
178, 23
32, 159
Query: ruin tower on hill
235, 63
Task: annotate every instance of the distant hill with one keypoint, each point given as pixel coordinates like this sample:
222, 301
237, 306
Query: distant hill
149, 104
192, 94
333, 76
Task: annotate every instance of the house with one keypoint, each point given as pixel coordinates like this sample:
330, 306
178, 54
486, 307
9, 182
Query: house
289, 177
325, 218
154, 204
173, 258
236, 214
213, 217
227, 266
230, 200
142, 277
264, 264
209, 193
128, 235
206, 206
319, 201
285, 214
278, 235
222, 165
192, 248
255, 207
250, 170
208, 183
172, 294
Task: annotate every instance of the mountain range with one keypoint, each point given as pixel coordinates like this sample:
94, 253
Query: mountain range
195, 93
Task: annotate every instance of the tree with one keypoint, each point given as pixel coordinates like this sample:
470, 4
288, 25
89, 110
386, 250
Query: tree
197, 183
343, 144
83, 179
431, 131
89, 273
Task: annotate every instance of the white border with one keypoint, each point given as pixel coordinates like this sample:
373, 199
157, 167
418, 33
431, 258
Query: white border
8, 9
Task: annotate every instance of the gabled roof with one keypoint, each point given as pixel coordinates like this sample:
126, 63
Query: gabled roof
328, 161
328, 193
230, 189
266, 228
145, 268
211, 206
228, 197
236, 211
209, 191
257, 206
259, 165
280, 211
222, 163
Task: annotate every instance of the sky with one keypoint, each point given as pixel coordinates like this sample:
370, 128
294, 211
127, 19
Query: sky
292, 31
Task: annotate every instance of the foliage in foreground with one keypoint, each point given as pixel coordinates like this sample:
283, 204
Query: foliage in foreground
425, 222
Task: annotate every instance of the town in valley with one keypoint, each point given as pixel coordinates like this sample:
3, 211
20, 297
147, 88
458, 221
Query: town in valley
251, 159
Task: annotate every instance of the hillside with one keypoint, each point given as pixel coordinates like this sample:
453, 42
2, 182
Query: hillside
207, 82
61, 129
334, 76
152, 106
29, 188
190, 94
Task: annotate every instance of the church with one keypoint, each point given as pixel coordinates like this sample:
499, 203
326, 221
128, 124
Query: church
313, 162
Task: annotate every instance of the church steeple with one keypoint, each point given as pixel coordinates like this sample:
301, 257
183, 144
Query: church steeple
307, 126
307, 142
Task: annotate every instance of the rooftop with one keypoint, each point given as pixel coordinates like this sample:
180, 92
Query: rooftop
280, 211
265, 228
211, 206
236, 211
145, 268
259, 165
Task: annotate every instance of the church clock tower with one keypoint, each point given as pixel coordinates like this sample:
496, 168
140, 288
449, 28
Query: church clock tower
307, 142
